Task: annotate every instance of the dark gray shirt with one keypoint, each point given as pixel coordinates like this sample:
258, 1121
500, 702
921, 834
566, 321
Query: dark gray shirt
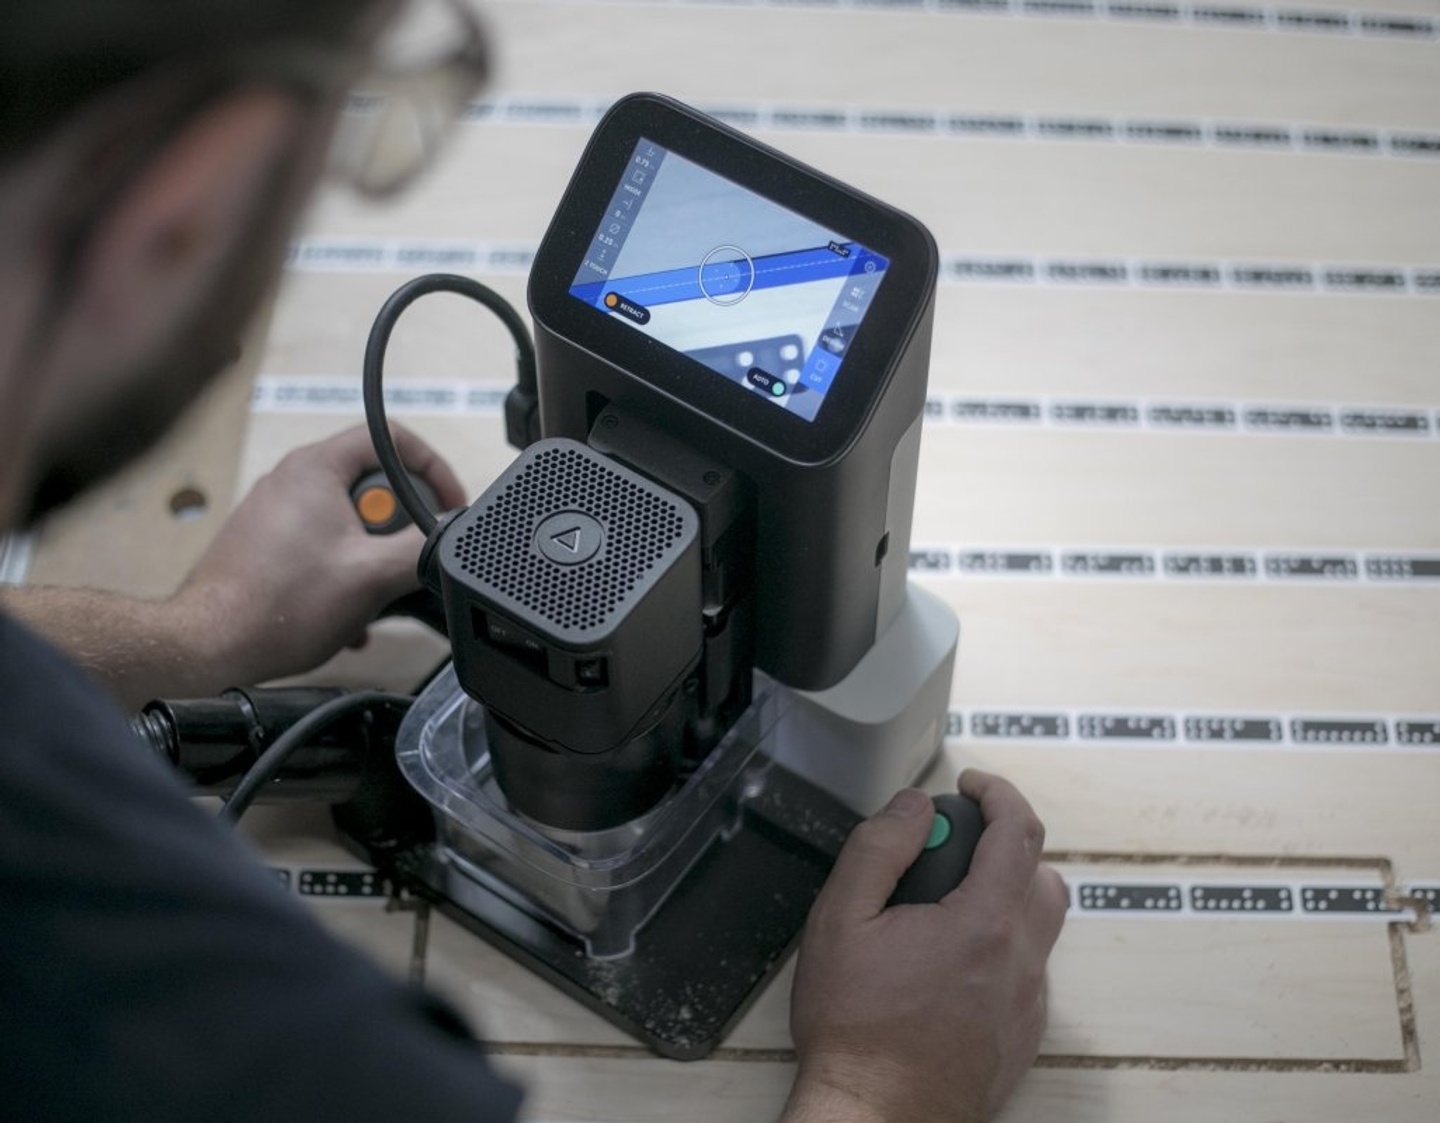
151, 969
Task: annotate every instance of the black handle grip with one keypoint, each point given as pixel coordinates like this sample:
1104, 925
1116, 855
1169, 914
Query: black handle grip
378, 506
945, 861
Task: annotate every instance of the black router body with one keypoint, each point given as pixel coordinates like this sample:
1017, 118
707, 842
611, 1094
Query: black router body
687, 657
651, 609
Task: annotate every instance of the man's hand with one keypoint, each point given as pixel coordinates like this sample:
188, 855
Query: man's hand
925, 1012
291, 578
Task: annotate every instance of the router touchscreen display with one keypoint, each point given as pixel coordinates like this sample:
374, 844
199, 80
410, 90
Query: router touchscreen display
739, 283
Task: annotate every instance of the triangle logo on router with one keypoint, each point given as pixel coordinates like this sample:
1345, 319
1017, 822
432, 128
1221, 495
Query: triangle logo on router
569, 537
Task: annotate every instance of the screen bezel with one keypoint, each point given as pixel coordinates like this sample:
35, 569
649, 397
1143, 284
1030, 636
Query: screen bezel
899, 299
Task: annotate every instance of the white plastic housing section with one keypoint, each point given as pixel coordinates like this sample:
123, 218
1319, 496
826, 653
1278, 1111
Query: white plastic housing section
879, 728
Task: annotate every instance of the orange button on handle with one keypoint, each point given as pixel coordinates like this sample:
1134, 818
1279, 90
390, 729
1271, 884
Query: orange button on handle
377, 505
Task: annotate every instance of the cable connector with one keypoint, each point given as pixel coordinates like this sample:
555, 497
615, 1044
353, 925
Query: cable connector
522, 416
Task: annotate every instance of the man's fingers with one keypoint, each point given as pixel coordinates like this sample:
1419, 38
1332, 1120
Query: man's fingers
877, 852
349, 452
1048, 904
397, 556
424, 461
1008, 853
352, 454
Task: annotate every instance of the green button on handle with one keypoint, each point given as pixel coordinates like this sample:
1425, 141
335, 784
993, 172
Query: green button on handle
939, 831
942, 865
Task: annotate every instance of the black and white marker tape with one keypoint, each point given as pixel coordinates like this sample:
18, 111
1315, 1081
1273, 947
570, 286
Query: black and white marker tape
449, 397
389, 255
347, 884
1167, 731
1216, 15
1292, 277
412, 397
1319, 900
962, 124
1180, 416
1091, 896
1149, 564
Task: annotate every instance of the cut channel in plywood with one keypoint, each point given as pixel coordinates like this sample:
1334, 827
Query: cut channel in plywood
1248, 963
1245, 965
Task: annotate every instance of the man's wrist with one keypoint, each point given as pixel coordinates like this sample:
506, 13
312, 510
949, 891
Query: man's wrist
813, 1101
867, 1089
136, 649
192, 626
831, 1090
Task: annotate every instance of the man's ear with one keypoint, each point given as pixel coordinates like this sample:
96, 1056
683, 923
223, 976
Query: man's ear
159, 245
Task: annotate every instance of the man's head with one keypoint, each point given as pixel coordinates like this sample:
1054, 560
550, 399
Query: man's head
154, 155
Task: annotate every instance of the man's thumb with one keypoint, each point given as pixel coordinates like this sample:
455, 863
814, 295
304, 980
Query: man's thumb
877, 852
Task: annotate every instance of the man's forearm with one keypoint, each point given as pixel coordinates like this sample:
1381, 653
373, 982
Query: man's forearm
136, 649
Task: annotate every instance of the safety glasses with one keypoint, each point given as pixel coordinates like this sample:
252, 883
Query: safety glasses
425, 68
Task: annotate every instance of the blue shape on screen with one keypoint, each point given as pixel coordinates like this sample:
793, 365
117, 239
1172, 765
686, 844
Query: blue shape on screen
670, 286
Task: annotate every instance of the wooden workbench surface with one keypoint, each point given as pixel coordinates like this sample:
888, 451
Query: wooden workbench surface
1187, 367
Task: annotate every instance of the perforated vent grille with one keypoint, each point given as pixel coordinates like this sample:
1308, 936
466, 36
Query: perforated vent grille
499, 552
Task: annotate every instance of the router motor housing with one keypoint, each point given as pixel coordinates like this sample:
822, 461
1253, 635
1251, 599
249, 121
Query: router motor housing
572, 592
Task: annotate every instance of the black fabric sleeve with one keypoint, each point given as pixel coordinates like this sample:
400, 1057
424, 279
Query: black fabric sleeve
151, 968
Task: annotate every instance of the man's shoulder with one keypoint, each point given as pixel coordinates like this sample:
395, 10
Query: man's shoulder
144, 945
62, 731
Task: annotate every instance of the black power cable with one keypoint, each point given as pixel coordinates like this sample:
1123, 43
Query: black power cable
521, 405
268, 766
374, 374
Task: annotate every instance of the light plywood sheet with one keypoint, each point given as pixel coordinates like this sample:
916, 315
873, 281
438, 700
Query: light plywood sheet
1208, 991
1225, 346
1133, 801
991, 196
1017, 340
1305, 650
322, 321
929, 56
1096, 488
